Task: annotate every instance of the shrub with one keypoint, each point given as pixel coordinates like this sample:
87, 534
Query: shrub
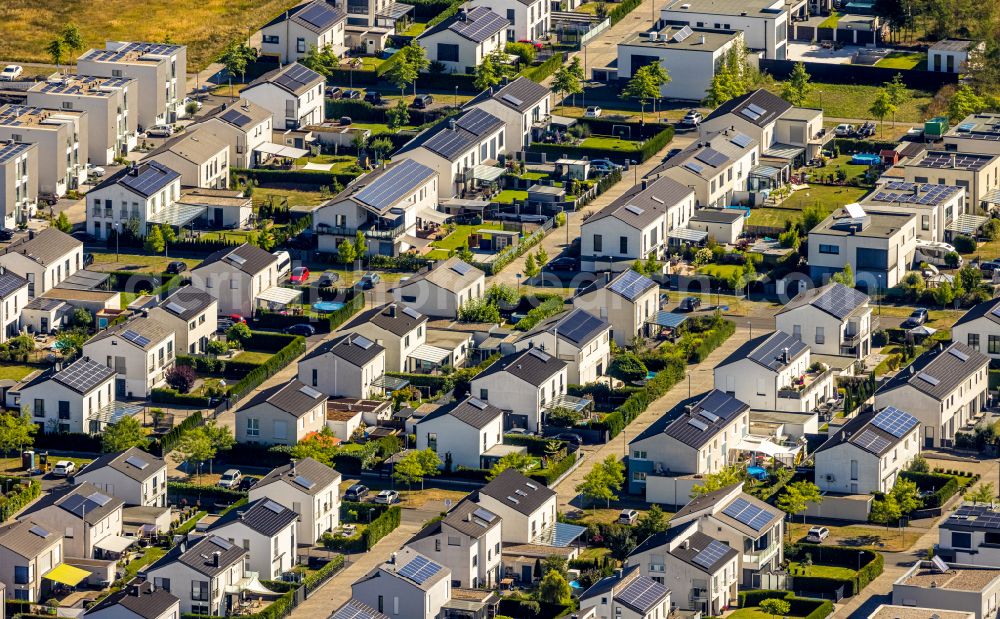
942, 485
964, 244
549, 307
269, 368
544, 70
169, 440
181, 378
549, 475
16, 495
164, 395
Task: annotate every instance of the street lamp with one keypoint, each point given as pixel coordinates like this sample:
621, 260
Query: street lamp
456, 96
118, 233
519, 283
635, 167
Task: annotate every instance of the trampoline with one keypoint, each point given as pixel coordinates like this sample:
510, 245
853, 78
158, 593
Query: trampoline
757, 472
327, 306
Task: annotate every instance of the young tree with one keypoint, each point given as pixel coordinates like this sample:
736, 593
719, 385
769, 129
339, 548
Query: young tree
323, 61
554, 589
898, 94
775, 607
479, 310
169, 236
501, 293
985, 493
965, 101
381, 147
660, 78
970, 277
346, 252
567, 81
360, 245
487, 75
16, 431
881, 107
642, 87
541, 257
82, 318
845, 277
907, 495
195, 448
239, 333
63, 224
236, 57
56, 49
123, 434
652, 522
221, 437
797, 87
517, 461
797, 496
154, 242
413, 61
530, 266
555, 563
71, 37
885, 511
715, 481
415, 466
602, 481
397, 116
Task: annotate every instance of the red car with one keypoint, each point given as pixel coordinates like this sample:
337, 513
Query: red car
535, 43
237, 318
300, 275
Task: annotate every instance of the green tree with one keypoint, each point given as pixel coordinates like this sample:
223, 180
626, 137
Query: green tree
985, 493
555, 563
487, 75
360, 245
944, 294
881, 107
603, 481
479, 310
381, 147
236, 57
194, 447
169, 236
964, 102
346, 251
720, 89
811, 217
628, 368
797, 87
71, 37
919, 464
397, 116
62, 223
775, 607
652, 522
154, 242
660, 78
898, 94
323, 61
554, 589
517, 461
845, 277
16, 431
412, 61
415, 466
123, 434
567, 81
70, 343
991, 229
501, 293
541, 257
907, 495
239, 333
723, 478
641, 87
970, 277
885, 511
797, 496
56, 49
530, 266
82, 318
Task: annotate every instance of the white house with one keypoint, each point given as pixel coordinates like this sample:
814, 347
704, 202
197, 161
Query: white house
350, 365
134, 476
62, 140
833, 319
628, 301
944, 388
207, 575
292, 93
193, 315
979, 328
764, 23
521, 104
524, 385
975, 134
577, 337
868, 453
975, 171
136, 600
529, 20
282, 414
245, 127
967, 536
462, 433
237, 277
141, 192
18, 182
198, 156
79, 398
13, 299
627, 595
408, 585
387, 205
442, 289
716, 168
949, 589
954, 55
935, 206
461, 42
45, 259
467, 541
313, 25
353, 609
27, 553
401, 330
140, 351
89, 520
635, 225
311, 488
266, 529
723, 225
527, 508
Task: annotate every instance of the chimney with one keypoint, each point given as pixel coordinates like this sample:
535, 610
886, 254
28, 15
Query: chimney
293, 466
701, 40
135, 590
215, 558
451, 124
784, 355
607, 277
392, 310
468, 517
392, 559
644, 183
31, 234
685, 544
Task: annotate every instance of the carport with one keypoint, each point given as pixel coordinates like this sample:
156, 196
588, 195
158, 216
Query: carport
277, 297
85, 280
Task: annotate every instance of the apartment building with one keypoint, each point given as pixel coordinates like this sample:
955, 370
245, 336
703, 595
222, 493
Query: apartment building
18, 182
62, 140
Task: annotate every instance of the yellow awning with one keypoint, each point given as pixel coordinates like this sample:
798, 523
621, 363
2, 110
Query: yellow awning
67, 575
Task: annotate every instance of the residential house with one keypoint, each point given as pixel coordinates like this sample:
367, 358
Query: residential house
44, 315
879, 246
461, 42
441, 290
529, 20
950, 588
112, 122
387, 205
266, 530
579, 338
975, 134
466, 541
522, 104
239, 278
78, 398
353, 609
524, 385
723, 225
134, 476
159, 70
193, 315
245, 127
461, 434
944, 388
976, 172
343, 421
136, 600
349, 365
627, 595
314, 25
935, 206
720, 169
774, 372
400, 329
979, 328
527, 508
13, 299
311, 488
139, 194
198, 156
218, 208
968, 537
292, 93
868, 453
45, 259
636, 224
843, 313
628, 301
283, 414
62, 140
28, 552
764, 23
140, 351
205, 574
408, 585
89, 520
18, 182
954, 55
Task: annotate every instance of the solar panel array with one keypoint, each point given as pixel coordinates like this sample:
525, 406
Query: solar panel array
419, 570
870, 441
234, 116
274, 507
630, 284
682, 34
319, 14
911, 193
539, 354
478, 122
476, 402
304, 482
83, 505
137, 462
960, 161
694, 167
449, 143
749, 514
412, 313
711, 554
479, 24
582, 325
135, 338
150, 178
355, 610
959, 354
741, 140
133, 49
771, 351
712, 157
895, 421
363, 342
461, 267
839, 300
83, 375
295, 77
642, 593
928, 378
9, 150
484, 515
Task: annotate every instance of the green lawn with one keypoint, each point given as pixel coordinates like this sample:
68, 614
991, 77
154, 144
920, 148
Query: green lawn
842, 162
507, 196
296, 197
15, 372
904, 60
722, 271
415, 29
610, 143
533, 176
108, 261
827, 197
831, 21
253, 356
152, 554
457, 239
821, 571
853, 101
753, 612
438, 254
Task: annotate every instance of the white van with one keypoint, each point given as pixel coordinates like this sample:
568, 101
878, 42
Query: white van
284, 263
933, 253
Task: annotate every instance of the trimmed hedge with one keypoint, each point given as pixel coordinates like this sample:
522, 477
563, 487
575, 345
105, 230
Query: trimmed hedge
548, 307
809, 608
356, 110
535, 444
382, 526
67, 441
269, 368
872, 565
177, 490
169, 440
622, 9
550, 475
709, 340
16, 495
326, 323
316, 178
642, 152
166, 395
544, 70
944, 486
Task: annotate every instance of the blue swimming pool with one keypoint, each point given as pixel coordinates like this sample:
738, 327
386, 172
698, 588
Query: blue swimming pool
327, 306
866, 159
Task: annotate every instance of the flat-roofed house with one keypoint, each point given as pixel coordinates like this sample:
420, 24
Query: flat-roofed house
62, 140
18, 182
878, 245
950, 588
935, 206
976, 172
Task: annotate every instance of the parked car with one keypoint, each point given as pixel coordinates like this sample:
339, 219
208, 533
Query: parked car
570, 437
592, 111
300, 275
867, 130
83, 236
350, 93
356, 492
817, 534
844, 130
197, 104
628, 516
88, 259
368, 281
563, 263
95, 170
422, 102
334, 92
606, 163
692, 119
387, 497
689, 304
247, 482
230, 479
160, 131
917, 318
64, 468
235, 318
11, 72
5, 234
328, 279
176, 267
536, 44
989, 266
373, 97
302, 329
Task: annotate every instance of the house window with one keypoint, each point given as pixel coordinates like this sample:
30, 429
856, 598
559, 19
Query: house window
271, 39
925, 222
437, 545
432, 441
454, 540
162, 583
974, 341
623, 245
638, 476
484, 395
994, 345
640, 455
315, 377
820, 336
253, 427
447, 52
797, 332
961, 540
829, 249
300, 45
199, 590
510, 16
63, 409
598, 243
21, 575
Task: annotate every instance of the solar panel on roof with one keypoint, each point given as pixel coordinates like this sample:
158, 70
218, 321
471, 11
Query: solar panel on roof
221, 542
173, 307
400, 180
477, 121
682, 34
461, 267
135, 338
635, 210
694, 167
749, 113
137, 462
309, 391
512, 100
749, 514
583, 325
741, 140
412, 313
939, 564
712, 157
895, 421
305, 483
630, 284
539, 354
318, 15
274, 507
872, 442
485, 515
698, 424
711, 554
363, 342
478, 403
235, 117
419, 570
351, 610
708, 415
642, 593
928, 378
39, 531
958, 353
99, 498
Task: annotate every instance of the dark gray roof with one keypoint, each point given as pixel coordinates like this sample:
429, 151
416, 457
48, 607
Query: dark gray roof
630, 589
145, 178
768, 350
265, 516
82, 376
456, 135
351, 347
141, 598
47, 247
317, 16
453, 275
533, 366
82, 501
770, 107
467, 518
393, 317
577, 326
10, 282
973, 518
294, 78
478, 122
834, 298
705, 419
608, 583
663, 538
764, 516
939, 372
44, 304
381, 189
240, 113
865, 432
517, 492
704, 501
630, 285
698, 542
476, 24
353, 609
988, 309
247, 258
470, 411
26, 538
717, 215
200, 555
295, 398
187, 302
133, 462
520, 95
640, 207
306, 475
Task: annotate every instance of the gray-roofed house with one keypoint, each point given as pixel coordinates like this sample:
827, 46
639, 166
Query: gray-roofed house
312, 25
241, 278
527, 507
462, 434
979, 328
27, 553
442, 289
530, 20
523, 104
409, 585
525, 385
581, 339
466, 541
716, 167
207, 574
77, 398
834, 319
133, 475
935, 205
461, 42
193, 315
701, 572
245, 127
944, 388
723, 225
353, 609
398, 328
347, 366
198, 156
311, 489
682, 443
140, 351
292, 93
13, 299
266, 529
880, 245
635, 224
283, 414
136, 600
774, 372
151, 188
45, 315
89, 520
628, 301
18, 181
628, 595
44, 258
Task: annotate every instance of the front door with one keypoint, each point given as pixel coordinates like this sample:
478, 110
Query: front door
45, 324
120, 387
928, 436
217, 213
526, 572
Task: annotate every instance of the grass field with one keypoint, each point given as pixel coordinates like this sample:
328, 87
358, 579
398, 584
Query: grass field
722, 271
822, 571
457, 239
827, 197
853, 101
862, 536
296, 197
205, 26
136, 262
842, 162
608, 143
753, 612
253, 356
903, 60
507, 196
10, 371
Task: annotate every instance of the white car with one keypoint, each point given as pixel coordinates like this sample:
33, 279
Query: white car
817, 534
64, 468
843, 130
160, 131
95, 170
197, 104
11, 72
692, 118
592, 111
628, 516
387, 497
230, 479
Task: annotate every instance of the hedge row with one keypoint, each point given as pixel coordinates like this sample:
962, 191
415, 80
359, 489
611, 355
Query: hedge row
269, 368
166, 395
17, 495
365, 540
544, 70
213, 366
944, 486
642, 152
872, 564
709, 340
809, 608
456, 381
217, 494
316, 178
508, 255
622, 9
355, 110
548, 307
536, 444
68, 441
550, 475
169, 440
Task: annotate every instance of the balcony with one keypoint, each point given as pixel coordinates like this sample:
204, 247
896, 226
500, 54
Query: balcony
371, 230
806, 385
759, 557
